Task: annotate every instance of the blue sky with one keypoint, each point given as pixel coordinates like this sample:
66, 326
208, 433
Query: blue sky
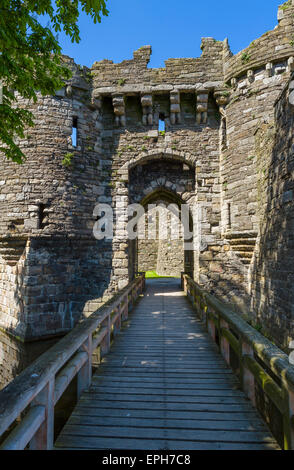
172, 27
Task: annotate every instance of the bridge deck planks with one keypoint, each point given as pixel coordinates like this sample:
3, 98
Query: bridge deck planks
164, 386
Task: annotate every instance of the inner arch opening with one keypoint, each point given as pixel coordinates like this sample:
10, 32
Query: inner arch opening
163, 247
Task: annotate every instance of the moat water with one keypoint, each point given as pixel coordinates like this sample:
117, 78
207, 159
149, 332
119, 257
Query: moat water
15, 356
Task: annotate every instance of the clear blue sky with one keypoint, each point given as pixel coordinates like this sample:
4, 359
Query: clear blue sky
172, 27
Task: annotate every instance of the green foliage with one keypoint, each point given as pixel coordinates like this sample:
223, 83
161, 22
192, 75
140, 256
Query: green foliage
30, 57
258, 327
162, 133
121, 81
67, 160
153, 275
89, 77
245, 57
286, 5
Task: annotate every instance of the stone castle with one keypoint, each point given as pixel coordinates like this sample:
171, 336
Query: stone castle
227, 149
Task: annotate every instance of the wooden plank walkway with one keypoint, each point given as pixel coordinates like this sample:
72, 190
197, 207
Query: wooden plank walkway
164, 386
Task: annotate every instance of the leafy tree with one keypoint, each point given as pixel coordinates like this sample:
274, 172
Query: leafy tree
30, 57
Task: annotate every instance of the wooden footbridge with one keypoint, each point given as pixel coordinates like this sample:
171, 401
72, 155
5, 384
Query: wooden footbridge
163, 384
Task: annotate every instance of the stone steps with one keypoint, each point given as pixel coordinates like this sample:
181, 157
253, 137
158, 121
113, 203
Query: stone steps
243, 245
11, 250
243, 241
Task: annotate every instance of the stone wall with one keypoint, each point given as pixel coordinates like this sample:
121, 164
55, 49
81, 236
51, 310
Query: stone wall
272, 270
147, 255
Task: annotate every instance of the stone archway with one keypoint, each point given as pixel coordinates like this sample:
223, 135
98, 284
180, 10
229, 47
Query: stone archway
161, 177
156, 155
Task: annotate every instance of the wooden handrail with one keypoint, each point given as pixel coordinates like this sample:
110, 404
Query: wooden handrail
249, 345
38, 388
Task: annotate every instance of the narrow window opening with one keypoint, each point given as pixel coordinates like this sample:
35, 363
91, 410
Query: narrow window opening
43, 219
161, 122
74, 134
224, 134
229, 215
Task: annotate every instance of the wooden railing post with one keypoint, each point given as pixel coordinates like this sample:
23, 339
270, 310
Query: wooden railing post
44, 437
130, 301
248, 381
204, 311
105, 343
224, 344
288, 419
132, 297
117, 323
291, 417
211, 327
85, 373
125, 308
185, 285
135, 292
193, 296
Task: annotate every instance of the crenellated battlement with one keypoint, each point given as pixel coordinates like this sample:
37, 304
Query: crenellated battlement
272, 48
177, 72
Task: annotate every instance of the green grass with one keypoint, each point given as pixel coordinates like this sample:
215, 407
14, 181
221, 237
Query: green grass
153, 275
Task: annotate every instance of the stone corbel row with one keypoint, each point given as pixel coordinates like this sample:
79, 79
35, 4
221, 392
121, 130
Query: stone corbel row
269, 72
118, 101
